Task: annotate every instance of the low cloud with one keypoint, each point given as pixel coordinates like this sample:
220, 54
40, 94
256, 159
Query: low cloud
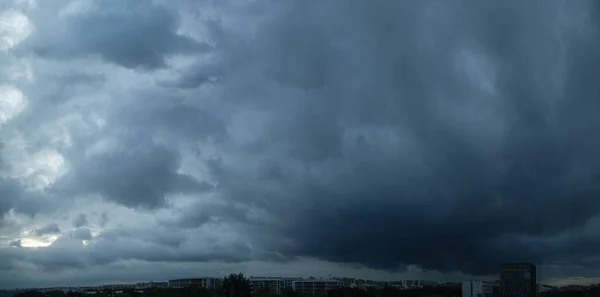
50, 229
80, 221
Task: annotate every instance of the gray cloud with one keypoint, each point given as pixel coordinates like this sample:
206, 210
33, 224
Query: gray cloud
7, 203
47, 230
80, 221
466, 129
15, 243
138, 175
447, 135
82, 233
15, 196
103, 219
132, 34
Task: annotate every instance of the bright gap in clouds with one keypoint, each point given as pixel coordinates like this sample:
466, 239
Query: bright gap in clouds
14, 28
12, 102
35, 243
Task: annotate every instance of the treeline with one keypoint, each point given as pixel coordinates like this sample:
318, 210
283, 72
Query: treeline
237, 285
245, 292
587, 292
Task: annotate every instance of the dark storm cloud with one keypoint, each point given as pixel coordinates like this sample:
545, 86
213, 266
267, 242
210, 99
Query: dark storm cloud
82, 233
60, 255
134, 172
9, 196
103, 219
15, 196
160, 236
10, 191
129, 33
197, 75
165, 244
47, 230
172, 117
439, 133
15, 243
135, 244
451, 135
80, 221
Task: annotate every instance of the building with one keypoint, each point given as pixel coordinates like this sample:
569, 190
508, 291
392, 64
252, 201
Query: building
518, 280
408, 283
544, 288
272, 284
289, 283
201, 282
316, 286
477, 288
151, 285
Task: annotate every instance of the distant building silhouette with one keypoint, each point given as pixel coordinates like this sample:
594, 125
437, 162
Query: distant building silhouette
316, 286
277, 285
518, 280
477, 288
201, 282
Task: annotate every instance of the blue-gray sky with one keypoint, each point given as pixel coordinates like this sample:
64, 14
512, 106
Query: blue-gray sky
154, 139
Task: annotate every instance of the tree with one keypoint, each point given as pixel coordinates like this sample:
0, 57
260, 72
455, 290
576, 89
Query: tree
236, 285
30, 294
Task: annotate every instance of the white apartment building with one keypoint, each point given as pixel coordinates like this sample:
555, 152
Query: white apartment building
316, 286
477, 288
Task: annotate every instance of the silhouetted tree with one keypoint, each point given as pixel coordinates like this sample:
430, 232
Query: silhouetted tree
236, 285
30, 294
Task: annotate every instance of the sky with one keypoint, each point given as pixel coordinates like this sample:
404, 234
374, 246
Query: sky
147, 140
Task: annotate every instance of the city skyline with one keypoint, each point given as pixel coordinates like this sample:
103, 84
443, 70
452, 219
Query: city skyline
157, 139
356, 280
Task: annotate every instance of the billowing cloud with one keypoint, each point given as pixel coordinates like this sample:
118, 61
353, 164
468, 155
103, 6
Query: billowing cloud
80, 221
132, 34
16, 243
82, 233
369, 138
145, 173
46, 230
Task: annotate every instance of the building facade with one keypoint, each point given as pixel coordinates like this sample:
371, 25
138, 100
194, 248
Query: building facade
544, 288
518, 280
408, 283
316, 286
151, 285
272, 284
477, 289
200, 282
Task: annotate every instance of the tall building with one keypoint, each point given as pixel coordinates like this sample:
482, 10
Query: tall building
477, 289
518, 280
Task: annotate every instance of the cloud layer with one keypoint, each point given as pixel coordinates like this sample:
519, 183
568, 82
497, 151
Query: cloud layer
374, 138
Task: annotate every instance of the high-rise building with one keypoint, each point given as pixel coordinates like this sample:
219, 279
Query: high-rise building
477, 289
518, 280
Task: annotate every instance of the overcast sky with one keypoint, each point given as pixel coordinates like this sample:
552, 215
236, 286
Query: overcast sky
155, 139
